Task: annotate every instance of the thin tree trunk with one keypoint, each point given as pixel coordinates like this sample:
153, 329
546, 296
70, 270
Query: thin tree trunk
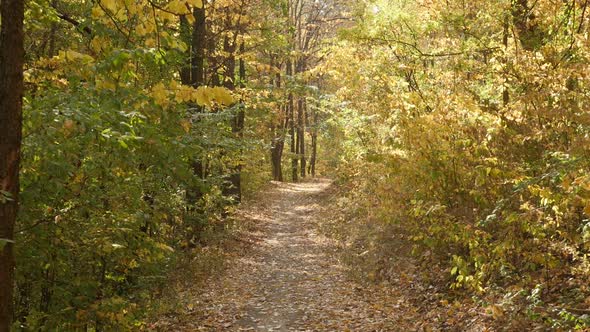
278, 138
234, 189
301, 133
198, 47
185, 35
505, 93
314, 143
276, 156
297, 133
238, 126
197, 78
11, 94
290, 112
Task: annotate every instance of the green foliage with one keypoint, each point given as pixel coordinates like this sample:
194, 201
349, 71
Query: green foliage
107, 175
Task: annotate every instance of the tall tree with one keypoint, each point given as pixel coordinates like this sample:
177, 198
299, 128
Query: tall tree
195, 76
291, 116
11, 93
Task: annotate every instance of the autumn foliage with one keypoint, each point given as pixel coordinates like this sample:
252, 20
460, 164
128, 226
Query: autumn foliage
467, 124
462, 126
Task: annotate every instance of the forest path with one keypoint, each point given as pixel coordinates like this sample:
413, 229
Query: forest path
291, 280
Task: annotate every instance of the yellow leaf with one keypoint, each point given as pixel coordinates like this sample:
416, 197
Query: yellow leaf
200, 96
102, 84
186, 125
70, 55
195, 3
134, 7
178, 7
160, 94
110, 5
222, 95
165, 16
190, 18
150, 42
164, 247
97, 12
141, 30
99, 44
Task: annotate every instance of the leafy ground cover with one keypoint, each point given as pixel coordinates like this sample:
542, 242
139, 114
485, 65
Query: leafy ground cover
299, 271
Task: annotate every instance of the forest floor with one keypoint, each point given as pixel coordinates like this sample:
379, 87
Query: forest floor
285, 275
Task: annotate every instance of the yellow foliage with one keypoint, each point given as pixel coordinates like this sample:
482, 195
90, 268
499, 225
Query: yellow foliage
150, 42
178, 7
160, 94
190, 18
141, 30
97, 12
186, 125
195, 3
105, 84
69, 55
166, 16
203, 96
110, 5
183, 93
223, 96
99, 44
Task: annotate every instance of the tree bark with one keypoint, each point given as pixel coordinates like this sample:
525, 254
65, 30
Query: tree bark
185, 34
505, 93
193, 74
291, 111
234, 188
278, 138
11, 94
276, 156
198, 47
314, 143
301, 133
238, 127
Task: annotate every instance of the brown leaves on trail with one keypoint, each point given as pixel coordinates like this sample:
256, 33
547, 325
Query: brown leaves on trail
292, 279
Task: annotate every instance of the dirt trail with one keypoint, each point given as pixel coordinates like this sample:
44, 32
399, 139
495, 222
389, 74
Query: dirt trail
291, 280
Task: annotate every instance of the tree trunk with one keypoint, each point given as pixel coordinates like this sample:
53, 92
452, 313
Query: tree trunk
290, 112
194, 76
301, 133
314, 143
198, 47
185, 35
276, 154
234, 188
11, 93
278, 138
297, 133
505, 93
